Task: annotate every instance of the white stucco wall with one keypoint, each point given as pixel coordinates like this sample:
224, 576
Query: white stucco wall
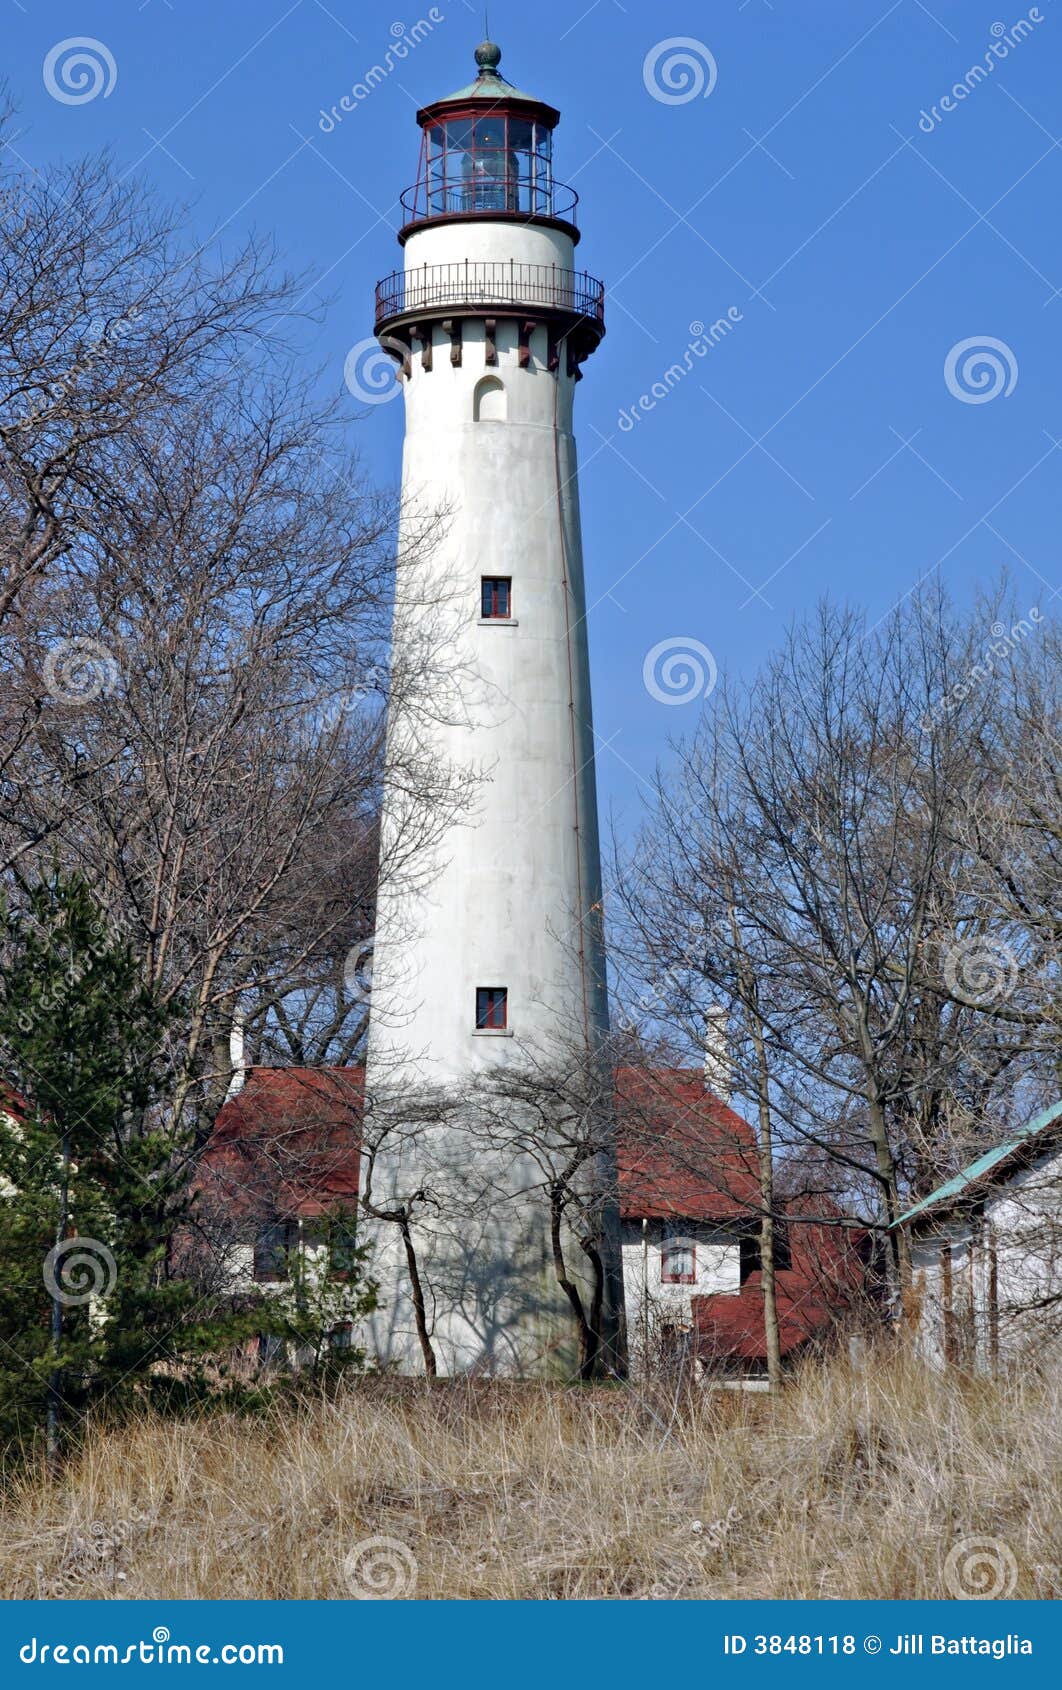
510, 884
652, 1302
7, 1120
483, 241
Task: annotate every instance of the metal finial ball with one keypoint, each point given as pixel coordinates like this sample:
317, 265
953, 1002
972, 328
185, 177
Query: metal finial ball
488, 56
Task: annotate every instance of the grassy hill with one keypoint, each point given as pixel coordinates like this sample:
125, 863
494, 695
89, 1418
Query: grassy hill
860, 1482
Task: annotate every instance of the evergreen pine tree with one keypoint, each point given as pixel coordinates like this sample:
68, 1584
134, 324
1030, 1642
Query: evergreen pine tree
92, 1185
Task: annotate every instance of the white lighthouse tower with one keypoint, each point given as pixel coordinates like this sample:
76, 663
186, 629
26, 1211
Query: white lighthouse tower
490, 956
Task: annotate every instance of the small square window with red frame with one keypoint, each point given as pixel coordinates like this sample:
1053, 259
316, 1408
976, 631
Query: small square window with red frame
497, 598
678, 1262
492, 1009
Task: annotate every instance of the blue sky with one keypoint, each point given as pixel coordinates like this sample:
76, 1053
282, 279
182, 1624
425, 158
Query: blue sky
818, 447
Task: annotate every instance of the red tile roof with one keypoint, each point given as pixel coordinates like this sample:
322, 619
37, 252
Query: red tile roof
820, 1286
289, 1142
680, 1150
12, 1103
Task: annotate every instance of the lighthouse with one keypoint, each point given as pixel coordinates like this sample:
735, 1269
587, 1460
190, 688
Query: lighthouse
488, 954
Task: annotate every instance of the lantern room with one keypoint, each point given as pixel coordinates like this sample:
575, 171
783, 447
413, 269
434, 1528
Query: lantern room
487, 151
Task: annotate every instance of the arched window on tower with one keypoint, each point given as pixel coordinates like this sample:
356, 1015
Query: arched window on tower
489, 402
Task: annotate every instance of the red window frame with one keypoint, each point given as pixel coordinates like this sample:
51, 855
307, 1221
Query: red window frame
453, 176
687, 1246
492, 1009
491, 589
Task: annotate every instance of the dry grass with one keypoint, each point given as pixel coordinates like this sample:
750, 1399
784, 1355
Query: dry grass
856, 1484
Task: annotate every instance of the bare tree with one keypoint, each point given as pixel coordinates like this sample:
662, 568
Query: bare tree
109, 324
241, 601
805, 862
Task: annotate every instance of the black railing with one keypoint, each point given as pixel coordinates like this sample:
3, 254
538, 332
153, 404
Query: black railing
482, 282
519, 196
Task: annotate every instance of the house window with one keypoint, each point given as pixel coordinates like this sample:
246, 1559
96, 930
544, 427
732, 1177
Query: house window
343, 1247
497, 598
272, 1247
678, 1262
272, 1350
750, 1252
492, 1008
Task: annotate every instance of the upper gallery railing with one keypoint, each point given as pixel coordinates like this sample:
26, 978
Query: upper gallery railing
537, 196
490, 282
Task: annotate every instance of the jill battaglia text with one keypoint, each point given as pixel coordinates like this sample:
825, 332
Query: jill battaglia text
907, 1643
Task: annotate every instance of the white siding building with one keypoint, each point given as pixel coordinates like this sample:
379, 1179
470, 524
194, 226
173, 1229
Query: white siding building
986, 1252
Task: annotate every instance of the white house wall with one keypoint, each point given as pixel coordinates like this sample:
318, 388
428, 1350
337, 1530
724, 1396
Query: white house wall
1004, 1276
650, 1300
